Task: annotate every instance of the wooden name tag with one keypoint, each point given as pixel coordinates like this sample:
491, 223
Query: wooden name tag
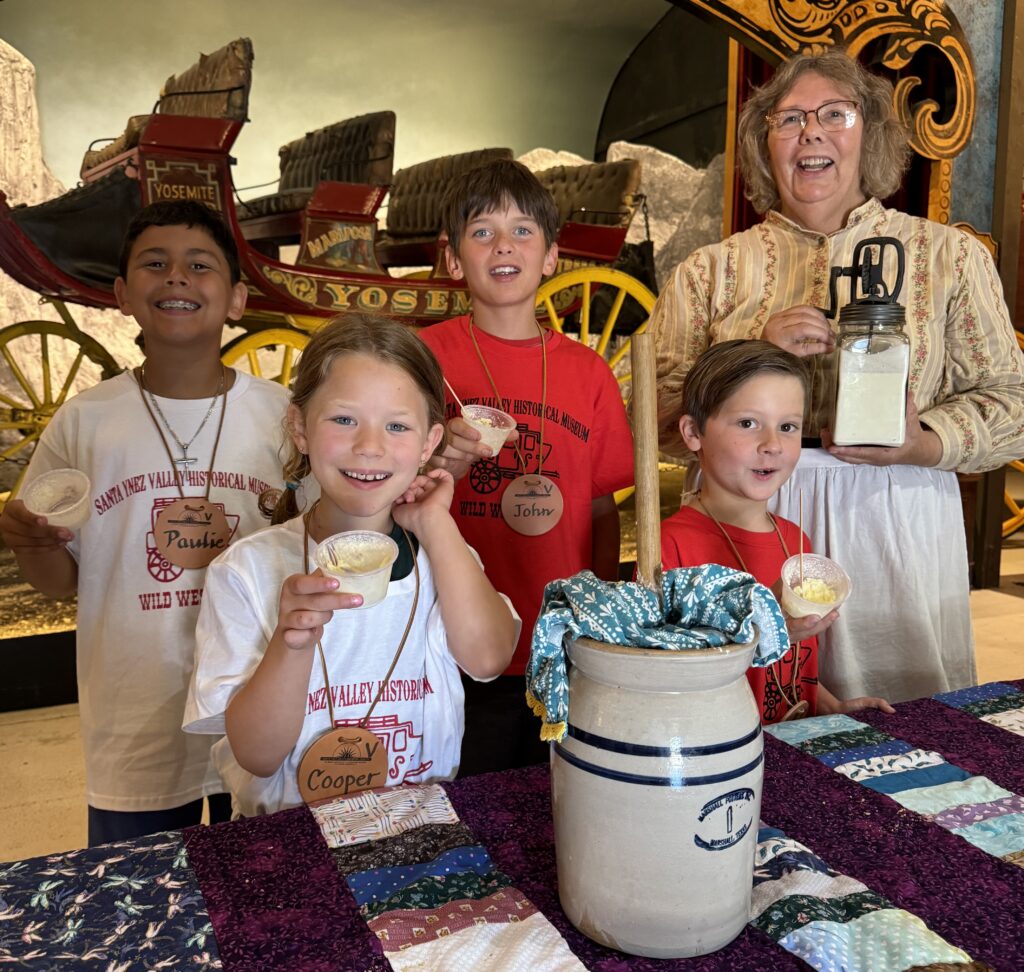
343, 760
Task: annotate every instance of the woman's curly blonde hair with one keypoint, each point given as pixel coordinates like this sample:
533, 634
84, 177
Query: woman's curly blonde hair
885, 148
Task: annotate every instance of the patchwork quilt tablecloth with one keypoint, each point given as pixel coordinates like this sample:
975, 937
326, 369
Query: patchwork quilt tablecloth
886, 843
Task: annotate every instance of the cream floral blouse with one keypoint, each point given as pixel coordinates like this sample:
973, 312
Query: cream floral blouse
966, 372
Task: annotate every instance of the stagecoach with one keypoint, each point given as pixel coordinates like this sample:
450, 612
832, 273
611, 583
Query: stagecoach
311, 249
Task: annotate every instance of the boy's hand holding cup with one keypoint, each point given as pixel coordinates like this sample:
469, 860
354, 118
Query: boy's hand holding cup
473, 436
810, 592
491, 425
51, 507
27, 532
810, 626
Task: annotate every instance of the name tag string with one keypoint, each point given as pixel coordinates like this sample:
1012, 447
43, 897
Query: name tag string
347, 759
532, 503
189, 531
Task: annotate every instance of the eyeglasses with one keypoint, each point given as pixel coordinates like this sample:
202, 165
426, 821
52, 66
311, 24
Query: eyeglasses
833, 116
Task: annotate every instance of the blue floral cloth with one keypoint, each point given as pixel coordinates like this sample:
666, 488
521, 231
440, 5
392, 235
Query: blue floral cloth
700, 607
130, 905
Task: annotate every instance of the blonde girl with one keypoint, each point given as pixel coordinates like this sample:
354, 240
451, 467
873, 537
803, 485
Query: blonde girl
283, 656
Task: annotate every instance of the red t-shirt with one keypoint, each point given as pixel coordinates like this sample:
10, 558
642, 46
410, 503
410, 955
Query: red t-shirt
691, 539
588, 452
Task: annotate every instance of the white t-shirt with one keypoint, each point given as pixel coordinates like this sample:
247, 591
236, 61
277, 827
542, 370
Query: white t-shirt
136, 612
419, 715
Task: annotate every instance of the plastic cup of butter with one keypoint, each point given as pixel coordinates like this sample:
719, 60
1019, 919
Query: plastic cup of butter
825, 586
61, 495
361, 561
493, 424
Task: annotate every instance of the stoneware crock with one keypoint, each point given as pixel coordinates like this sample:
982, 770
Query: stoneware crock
656, 792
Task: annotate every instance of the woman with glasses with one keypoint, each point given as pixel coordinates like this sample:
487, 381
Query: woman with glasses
819, 146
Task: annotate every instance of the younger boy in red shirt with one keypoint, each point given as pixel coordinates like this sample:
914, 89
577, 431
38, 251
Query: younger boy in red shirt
543, 507
743, 405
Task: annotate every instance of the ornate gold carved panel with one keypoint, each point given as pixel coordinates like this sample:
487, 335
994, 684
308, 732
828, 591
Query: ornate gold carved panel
940, 189
776, 29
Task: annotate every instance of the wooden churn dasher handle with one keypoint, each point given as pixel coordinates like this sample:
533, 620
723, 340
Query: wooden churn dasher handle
645, 461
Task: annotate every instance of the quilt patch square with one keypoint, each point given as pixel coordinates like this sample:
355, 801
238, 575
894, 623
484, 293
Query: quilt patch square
131, 903
964, 816
891, 747
432, 892
410, 847
975, 693
864, 736
931, 800
812, 883
926, 776
522, 946
875, 766
800, 730
379, 883
998, 836
1012, 720
1001, 703
399, 930
888, 939
374, 814
792, 912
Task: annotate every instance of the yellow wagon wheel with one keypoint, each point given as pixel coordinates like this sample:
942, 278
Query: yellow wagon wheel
1016, 518
43, 363
271, 353
627, 297
623, 297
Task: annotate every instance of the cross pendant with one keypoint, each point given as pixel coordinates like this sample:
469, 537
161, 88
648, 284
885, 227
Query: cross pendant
185, 460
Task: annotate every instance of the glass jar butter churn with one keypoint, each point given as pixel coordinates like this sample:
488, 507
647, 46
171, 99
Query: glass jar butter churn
873, 364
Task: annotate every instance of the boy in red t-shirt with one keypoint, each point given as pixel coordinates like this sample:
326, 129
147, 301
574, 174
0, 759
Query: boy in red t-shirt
743, 405
543, 507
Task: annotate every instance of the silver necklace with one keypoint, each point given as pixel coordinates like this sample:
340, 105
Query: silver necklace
186, 459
